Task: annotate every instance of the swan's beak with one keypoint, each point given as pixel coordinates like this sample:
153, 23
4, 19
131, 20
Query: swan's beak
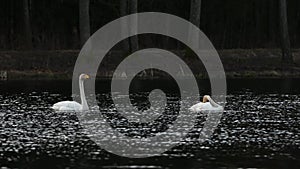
86, 76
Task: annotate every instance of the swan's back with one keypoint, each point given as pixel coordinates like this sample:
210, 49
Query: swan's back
67, 106
201, 106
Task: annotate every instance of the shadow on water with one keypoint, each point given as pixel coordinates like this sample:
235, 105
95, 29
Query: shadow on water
259, 128
102, 86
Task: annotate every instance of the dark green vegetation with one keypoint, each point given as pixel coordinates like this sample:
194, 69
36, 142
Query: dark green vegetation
258, 63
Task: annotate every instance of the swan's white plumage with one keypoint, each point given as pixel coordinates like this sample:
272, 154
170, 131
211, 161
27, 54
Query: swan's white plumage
67, 106
206, 106
72, 105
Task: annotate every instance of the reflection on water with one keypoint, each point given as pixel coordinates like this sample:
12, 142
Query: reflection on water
257, 130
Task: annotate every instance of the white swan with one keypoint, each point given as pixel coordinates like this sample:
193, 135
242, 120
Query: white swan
72, 105
207, 104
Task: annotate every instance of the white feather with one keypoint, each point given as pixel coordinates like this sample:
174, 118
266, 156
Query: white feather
67, 106
72, 105
207, 106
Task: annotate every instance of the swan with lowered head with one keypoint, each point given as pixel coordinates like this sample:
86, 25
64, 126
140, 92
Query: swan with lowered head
207, 104
72, 105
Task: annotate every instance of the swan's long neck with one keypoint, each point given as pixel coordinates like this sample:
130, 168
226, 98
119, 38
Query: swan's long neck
212, 102
82, 95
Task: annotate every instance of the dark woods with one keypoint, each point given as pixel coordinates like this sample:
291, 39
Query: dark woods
66, 24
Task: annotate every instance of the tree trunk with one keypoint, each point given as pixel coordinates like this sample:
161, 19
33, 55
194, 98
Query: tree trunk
258, 16
271, 23
134, 44
195, 13
12, 27
124, 25
27, 26
284, 34
84, 20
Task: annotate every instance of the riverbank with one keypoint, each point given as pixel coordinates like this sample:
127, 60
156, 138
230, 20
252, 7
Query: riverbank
238, 63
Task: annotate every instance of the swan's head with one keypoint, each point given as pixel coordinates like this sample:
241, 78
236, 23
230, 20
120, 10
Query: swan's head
206, 98
84, 77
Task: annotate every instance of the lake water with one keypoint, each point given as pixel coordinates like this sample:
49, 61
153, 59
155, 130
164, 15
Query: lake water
260, 128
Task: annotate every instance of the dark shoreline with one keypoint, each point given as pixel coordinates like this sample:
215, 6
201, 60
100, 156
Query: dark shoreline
58, 65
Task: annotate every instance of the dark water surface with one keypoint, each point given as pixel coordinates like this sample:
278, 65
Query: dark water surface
260, 128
